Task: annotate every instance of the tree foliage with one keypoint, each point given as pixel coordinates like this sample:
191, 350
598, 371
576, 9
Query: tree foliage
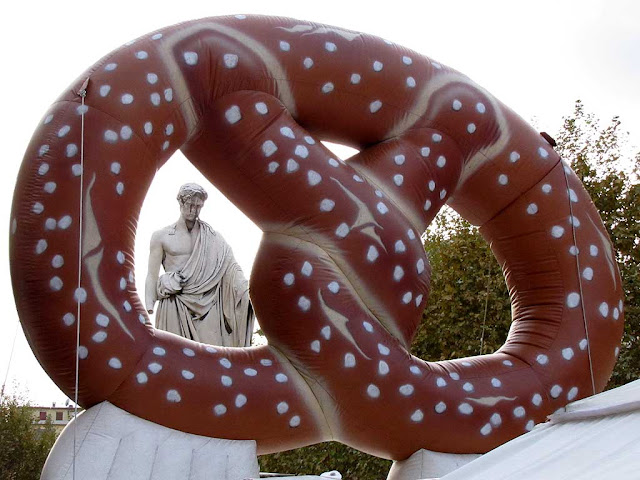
469, 311
23, 449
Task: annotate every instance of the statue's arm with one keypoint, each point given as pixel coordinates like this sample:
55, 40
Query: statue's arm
153, 271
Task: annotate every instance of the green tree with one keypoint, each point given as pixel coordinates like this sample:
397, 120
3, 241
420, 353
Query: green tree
23, 449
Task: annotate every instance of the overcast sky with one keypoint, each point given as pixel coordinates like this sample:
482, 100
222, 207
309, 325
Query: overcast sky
538, 57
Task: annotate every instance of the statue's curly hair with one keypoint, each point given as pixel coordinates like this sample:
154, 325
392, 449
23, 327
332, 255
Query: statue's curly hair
189, 190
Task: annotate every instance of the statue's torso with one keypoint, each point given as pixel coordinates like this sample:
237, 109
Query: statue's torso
177, 246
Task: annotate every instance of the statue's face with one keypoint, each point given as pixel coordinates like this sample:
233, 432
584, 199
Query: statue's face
190, 209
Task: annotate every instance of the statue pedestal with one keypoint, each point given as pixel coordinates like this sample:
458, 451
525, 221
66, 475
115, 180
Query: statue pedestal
115, 445
425, 464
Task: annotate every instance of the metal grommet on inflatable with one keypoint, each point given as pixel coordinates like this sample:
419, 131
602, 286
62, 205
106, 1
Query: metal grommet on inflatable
341, 278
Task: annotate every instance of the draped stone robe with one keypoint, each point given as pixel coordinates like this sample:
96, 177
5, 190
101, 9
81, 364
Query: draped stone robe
208, 299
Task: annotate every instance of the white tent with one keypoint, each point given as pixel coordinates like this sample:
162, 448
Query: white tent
594, 438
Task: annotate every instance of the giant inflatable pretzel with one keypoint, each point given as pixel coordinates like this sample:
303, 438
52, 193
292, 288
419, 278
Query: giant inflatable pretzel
341, 277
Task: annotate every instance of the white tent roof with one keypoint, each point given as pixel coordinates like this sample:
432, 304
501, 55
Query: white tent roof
594, 438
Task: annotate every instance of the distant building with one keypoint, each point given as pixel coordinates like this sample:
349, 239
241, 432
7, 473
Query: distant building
58, 416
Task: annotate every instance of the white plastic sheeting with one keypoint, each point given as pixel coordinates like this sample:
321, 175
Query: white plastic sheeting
115, 445
592, 439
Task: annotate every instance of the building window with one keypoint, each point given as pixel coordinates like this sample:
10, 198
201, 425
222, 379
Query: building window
58, 416
43, 415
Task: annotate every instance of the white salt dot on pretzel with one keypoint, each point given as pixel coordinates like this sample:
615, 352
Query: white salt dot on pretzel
71, 150
415, 370
333, 162
266, 362
400, 247
375, 106
557, 231
398, 273
225, 363
330, 47
471, 128
431, 185
555, 391
309, 140
261, 108
406, 298
104, 90
411, 82
269, 148
372, 253
282, 408
50, 224
465, 408
383, 367
292, 165
406, 389
468, 387
326, 332
250, 372
240, 17
99, 337
440, 407
289, 279
367, 326
154, 367
326, 205
333, 287
307, 269
115, 168
529, 426
173, 396
83, 352
308, 63
573, 300
284, 46
226, 380
57, 261
294, 422
398, 179
327, 87
503, 179
48, 119
542, 152
109, 67
152, 78
127, 306
69, 319
407, 60
37, 208
377, 66
593, 251
315, 346
80, 295
532, 209
536, 399
411, 234
442, 161
304, 303
190, 58
417, 416
454, 376
486, 429
219, 409
546, 188
480, 107
383, 349
349, 360
436, 137
301, 151
161, 352
443, 193
382, 208
425, 151
314, 178
41, 246
519, 412
142, 378
573, 196
456, 105
616, 313
50, 187
604, 309
496, 383
287, 132
115, 363
110, 136
141, 55
41, 152
127, 99
587, 273
56, 284
342, 230
281, 378
120, 257
542, 359
155, 98
441, 382
119, 188
148, 128
233, 114
507, 363
168, 94
573, 393
583, 344
355, 78
420, 266
616, 352
418, 300
399, 159
241, 400
373, 391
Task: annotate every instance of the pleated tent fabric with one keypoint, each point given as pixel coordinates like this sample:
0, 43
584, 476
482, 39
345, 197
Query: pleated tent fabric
341, 277
595, 438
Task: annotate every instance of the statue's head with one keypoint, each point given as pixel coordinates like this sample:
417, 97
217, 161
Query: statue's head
191, 197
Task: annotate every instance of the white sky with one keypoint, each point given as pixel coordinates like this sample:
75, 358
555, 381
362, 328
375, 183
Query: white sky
536, 56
